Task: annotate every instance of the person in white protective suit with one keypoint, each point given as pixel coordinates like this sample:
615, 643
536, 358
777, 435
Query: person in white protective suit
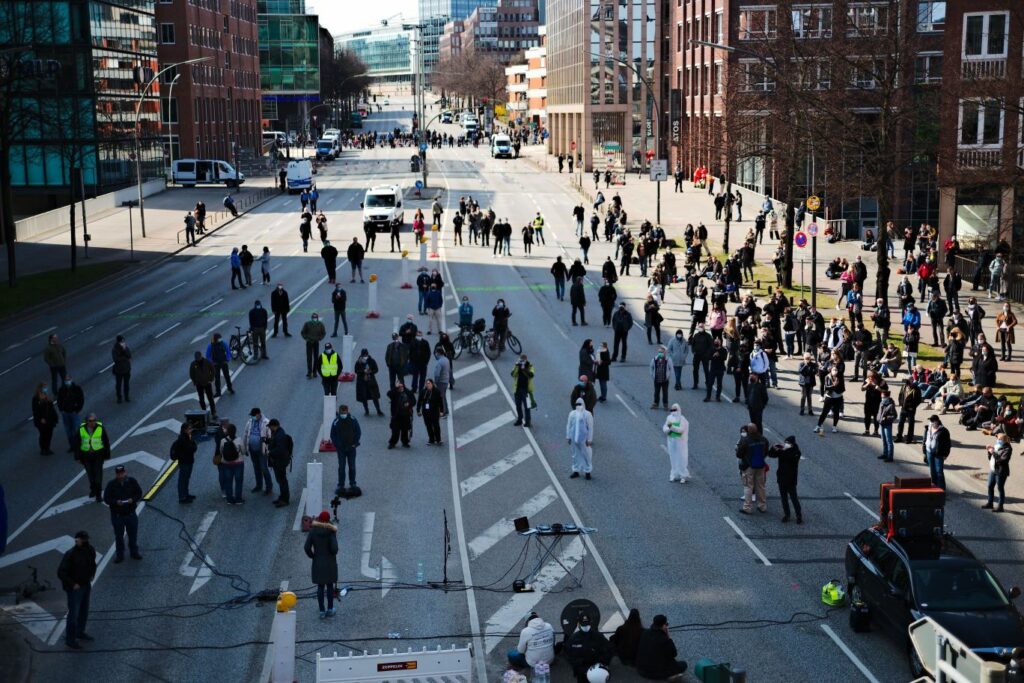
579, 432
677, 432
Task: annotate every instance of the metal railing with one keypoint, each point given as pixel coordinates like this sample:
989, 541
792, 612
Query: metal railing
979, 158
983, 68
967, 267
222, 216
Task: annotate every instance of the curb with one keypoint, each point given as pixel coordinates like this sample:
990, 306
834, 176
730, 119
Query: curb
128, 271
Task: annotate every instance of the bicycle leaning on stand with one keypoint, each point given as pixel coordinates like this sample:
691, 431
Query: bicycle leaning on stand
492, 349
241, 346
469, 337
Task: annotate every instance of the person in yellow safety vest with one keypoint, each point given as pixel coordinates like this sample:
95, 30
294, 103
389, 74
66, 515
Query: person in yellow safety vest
538, 228
93, 449
330, 367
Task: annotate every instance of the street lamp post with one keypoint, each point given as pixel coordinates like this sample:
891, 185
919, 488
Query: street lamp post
138, 141
170, 127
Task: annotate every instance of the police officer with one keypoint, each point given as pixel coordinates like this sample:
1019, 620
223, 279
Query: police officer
330, 366
121, 496
93, 449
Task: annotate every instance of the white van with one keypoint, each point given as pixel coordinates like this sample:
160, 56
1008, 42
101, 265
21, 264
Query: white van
327, 148
471, 128
300, 175
501, 146
192, 172
382, 208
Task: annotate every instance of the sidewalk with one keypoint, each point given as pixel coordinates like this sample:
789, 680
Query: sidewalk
696, 206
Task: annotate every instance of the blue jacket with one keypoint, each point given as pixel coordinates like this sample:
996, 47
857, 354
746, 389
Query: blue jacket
236, 260
466, 313
434, 299
223, 350
912, 318
345, 433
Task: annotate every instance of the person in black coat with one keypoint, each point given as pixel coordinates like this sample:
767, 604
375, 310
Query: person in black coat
656, 653
280, 305
586, 647
258, 320
70, 401
367, 388
578, 300
607, 296
403, 403
322, 548
429, 406
626, 638
76, 571
279, 456
330, 256
183, 450
786, 474
44, 417
622, 323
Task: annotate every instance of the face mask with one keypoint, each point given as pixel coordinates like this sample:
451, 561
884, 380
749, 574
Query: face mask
259, 305
679, 336
343, 415
661, 355
743, 432
999, 444
585, 629
582, 384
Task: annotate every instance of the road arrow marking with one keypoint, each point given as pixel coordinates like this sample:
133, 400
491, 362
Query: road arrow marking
60, 544
172, 425
202, 573
385, 573
38, 621
206, 334
141, 457
65, 507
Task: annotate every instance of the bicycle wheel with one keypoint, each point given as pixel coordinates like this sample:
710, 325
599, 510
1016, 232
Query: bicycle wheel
475, 343
491, 349
513, 344
248, 354
235, 345
457, 346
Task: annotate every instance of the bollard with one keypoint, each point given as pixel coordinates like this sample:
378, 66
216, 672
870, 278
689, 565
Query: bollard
330, 408
423, 255
371, 306
282, 635
347, 346
405, 271
314, 488
433, 242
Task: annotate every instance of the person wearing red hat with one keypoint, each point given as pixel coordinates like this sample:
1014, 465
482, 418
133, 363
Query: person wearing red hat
322, 548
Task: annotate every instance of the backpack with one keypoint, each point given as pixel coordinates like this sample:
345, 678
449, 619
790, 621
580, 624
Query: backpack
289, 445
228, 451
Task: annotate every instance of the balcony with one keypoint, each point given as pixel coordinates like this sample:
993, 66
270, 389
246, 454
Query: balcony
516, 87
980, 158
976, 69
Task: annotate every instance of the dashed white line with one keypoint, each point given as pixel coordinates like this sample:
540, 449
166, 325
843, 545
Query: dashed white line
130, 308
209, 306
862, 506
505, 526
180, 284
849, 653
130, 327
167, 330
209, 269
105, 369
15, 365
40, 334
626, 405
469, 369
750, 544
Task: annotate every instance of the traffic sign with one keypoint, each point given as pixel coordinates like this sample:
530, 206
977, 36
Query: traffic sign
800, 239
659, 169
419, 184
813, 229
813, 202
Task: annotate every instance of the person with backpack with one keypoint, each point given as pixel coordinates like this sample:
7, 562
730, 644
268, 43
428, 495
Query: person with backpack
232, 465
183, 451
751, 451
279, 455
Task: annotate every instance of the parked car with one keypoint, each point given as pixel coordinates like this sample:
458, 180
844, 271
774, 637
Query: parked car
901, 581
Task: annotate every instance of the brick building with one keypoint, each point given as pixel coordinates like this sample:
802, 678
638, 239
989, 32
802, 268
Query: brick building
526, 92
213, 108
502, 30
449, 45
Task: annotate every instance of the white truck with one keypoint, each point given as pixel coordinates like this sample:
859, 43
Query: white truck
382, 208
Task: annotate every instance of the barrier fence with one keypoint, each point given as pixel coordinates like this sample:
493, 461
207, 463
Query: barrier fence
247, 202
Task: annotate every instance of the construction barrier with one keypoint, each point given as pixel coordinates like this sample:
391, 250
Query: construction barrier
453, 665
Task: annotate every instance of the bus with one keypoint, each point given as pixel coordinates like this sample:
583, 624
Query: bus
355, 119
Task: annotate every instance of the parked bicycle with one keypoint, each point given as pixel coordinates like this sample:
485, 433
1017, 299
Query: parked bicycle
492, 349
241, 346
470, 337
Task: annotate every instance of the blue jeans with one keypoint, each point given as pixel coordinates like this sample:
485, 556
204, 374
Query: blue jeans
603, 383
422, 305
235, 474
678, 370
78, 612
772, 372
995, 479
184, 476
71, 422
935, 469
346, 457
261, 469
224, 479
123, 523
523, 406
560, 289
887, 445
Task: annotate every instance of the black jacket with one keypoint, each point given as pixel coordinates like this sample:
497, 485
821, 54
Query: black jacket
701, 344
258, 318
622, 320
607, 296
184, 450
789, 463
583, 650
70, 398
577, 295
122, 496
277, 448
77, 566
656, 655
942, 442
279, 302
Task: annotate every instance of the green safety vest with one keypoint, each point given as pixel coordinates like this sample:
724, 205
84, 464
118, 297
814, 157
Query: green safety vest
538, 223
329, 365
94, 442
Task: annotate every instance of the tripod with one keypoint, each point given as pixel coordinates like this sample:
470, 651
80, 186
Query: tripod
446, 551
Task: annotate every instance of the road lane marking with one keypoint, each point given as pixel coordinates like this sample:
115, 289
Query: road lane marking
505, 526
172, 426
15, 365
490, 472
181, 399
61, 544
73, 504
297, 524
206, 334
202, 573
849, 653
476, 396
862, 506
107, 341
626, 405
209, 269
209, 306
484, 429
750, 544
385, 571
469, 369
167, 330
180, 284
131, 308
105, 369
305, 295
38, 621
40, 334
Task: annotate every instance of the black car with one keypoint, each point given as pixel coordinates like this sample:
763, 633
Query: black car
901, 582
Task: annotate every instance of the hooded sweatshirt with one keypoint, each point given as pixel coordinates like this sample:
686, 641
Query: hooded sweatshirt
537, 642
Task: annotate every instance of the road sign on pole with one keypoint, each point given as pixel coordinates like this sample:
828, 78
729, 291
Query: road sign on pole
659, 170
812, 229
800, 239
813, 202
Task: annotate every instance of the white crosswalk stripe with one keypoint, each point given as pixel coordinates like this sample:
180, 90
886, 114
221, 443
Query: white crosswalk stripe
470, 484
502, 528
484, 429
474, 397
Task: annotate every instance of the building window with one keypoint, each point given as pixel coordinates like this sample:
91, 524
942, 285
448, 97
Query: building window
981, 123
718, 78
867, 19
757, 77
814, 74
168, 110
718, 27
928, 67
757, 22
865, 73
931, 15
985, 35
168, 76
167, 34
812, 21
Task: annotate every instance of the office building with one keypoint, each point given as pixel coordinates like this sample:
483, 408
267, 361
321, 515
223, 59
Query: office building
526, 92
449, 44
289, 51
603, 91
211, 110
386, 52
433, 15
502, 31
83, 85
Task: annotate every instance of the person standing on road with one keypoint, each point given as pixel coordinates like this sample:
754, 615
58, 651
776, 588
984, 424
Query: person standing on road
403, 403
322, 548
752, 451
538, 228
936, 447
367, 388
835, 386
258, 320
437, 210
121, 496
190, 230
677, 352
661, 370
329, 367
579, 433
93, 448
321, 226
419, 360
606, 296
265, 265
183, 451
70, 401
56, 358
44, 417
345, 435
786, 475
218, 353
885, 417
434, 303
999, 471
442, 375
314, 196
254, 444
280, 306
602, 367
677, 432
232, 466
757, 400
313, 332
370, 235
652, 318
355, 255
236, 269
909, 400
339, 300
279, 456
329, 254
122, 368
457, 223
429, 407
578, 301
622, 323
716, 368
245, 257
202, 373
700, 348
559, 272
76, 572
522, 389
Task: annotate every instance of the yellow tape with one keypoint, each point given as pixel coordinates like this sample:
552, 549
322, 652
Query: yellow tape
158, 484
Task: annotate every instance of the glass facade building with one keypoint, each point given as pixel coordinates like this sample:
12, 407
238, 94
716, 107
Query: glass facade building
387, 53
435, 14
78, 109
289, 49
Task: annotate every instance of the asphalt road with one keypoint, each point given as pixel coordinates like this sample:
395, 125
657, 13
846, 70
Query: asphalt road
740, 589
